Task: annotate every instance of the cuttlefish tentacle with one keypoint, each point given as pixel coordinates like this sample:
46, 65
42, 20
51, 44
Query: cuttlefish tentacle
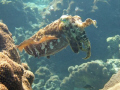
80, 39
74, 46
81, 46
84, 41
87, 48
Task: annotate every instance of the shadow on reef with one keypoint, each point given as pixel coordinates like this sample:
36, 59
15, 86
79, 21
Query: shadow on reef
13, 74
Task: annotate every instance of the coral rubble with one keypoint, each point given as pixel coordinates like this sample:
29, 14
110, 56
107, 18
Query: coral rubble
7, 44
13, 76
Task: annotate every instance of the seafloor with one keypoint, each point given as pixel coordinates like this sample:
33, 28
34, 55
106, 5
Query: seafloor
20, 19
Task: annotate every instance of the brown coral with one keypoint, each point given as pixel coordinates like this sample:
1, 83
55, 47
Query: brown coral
27, 80
29, 76
25, 66
10, 73
7, 44
13, 76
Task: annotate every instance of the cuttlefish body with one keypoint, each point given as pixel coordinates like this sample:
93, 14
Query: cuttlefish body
68, 30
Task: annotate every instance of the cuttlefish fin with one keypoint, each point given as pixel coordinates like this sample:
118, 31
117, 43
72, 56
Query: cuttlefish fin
31, 41
46, 38
25, 43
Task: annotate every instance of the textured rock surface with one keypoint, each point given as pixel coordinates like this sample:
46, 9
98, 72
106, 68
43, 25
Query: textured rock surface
7, 44
10, 73
113, 83
13, 76
3, 87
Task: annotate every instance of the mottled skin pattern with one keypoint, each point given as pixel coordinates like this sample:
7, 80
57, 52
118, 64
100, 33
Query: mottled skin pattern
69, 30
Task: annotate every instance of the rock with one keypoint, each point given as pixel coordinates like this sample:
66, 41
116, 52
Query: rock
13, 75
94, 73
7, 44
113, 83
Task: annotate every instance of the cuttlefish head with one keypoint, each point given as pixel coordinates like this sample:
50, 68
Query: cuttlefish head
68, 20
73, 29
65, 20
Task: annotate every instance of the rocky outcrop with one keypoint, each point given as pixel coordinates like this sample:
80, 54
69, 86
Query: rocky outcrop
94, 73
13, 76
113, 83
7, 44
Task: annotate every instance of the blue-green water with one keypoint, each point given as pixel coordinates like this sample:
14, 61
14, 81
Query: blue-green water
26, 17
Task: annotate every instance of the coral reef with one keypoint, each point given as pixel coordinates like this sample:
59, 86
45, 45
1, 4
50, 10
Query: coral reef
25, 66
113, 83
14, 7
43, 73
27, 80
45, 80
16, 13
53, 83
57, 8
10, 73
95, 74
7, 44
113, 65
13, 76
114, 46
91, 73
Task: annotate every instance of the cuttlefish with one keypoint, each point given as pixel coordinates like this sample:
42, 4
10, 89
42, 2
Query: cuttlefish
68, 30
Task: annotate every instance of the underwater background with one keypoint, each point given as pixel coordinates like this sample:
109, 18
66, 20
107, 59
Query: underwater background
67, 70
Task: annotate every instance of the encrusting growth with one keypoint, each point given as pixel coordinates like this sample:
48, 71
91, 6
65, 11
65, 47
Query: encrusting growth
13, 76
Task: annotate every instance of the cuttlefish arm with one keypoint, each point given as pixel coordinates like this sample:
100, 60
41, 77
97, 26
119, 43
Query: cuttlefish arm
87, 49
74, 46
88, 22
31, 41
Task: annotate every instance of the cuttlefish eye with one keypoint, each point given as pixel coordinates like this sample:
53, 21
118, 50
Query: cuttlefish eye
63, 20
